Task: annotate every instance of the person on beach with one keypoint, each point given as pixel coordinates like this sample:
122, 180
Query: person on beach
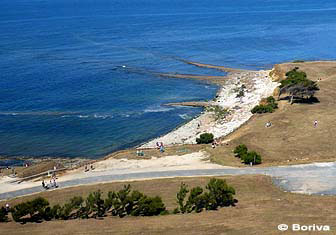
158, 145
7, 207
315, 123
54, 183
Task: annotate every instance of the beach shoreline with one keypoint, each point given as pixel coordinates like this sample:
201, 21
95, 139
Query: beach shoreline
259, 84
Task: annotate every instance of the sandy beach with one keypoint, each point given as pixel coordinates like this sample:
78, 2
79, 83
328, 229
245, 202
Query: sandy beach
191, 161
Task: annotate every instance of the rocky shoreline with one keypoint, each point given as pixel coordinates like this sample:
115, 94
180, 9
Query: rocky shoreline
239, 92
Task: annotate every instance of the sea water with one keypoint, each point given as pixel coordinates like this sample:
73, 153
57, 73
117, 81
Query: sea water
78, 78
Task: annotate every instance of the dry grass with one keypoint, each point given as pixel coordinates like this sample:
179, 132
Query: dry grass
292, 139
32, 170
261, 207
149, 153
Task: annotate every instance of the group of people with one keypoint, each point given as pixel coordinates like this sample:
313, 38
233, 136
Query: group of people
159, 145
269, 124
87, 168
52, 183
140, 153
214, 144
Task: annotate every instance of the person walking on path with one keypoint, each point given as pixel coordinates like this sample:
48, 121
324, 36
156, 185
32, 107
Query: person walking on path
315, 123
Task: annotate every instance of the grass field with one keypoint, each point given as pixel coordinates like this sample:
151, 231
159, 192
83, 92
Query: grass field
292, 139
261, 207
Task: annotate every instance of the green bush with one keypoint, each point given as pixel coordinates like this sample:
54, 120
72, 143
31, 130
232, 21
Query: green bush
205, 138
195, 200
180, 196
95, 205
55, 211
3, 215
219, 195
240, 150
149, 206
252, 157
127, 202
73, 209
35, 208
269, 107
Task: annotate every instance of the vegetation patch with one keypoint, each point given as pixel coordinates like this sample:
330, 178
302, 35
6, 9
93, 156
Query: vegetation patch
298, 86
219, 112
240, 91
218, 194
122, 203
3, 215
205, 138
268, 107
241, 151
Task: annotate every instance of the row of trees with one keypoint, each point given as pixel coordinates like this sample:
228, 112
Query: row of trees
241, 151
121, 203
125, 202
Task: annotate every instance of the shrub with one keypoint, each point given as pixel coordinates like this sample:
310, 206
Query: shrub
180, 196
219, 112
221, 193
125, 202
55, 211
241, 93
240, 150
149, 206
95, 205
269, 107
47, 214
205, 138
121, 206
252, 157
196, 201
73, 209
3, 215
35, 208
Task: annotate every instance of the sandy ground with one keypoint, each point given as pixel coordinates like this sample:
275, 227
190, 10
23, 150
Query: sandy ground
191, 161
258, 85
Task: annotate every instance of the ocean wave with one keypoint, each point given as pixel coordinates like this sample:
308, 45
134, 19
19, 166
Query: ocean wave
157, 109
92, 116
185, 116
38, 113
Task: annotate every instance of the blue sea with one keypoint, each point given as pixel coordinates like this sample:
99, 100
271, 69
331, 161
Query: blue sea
77, 77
